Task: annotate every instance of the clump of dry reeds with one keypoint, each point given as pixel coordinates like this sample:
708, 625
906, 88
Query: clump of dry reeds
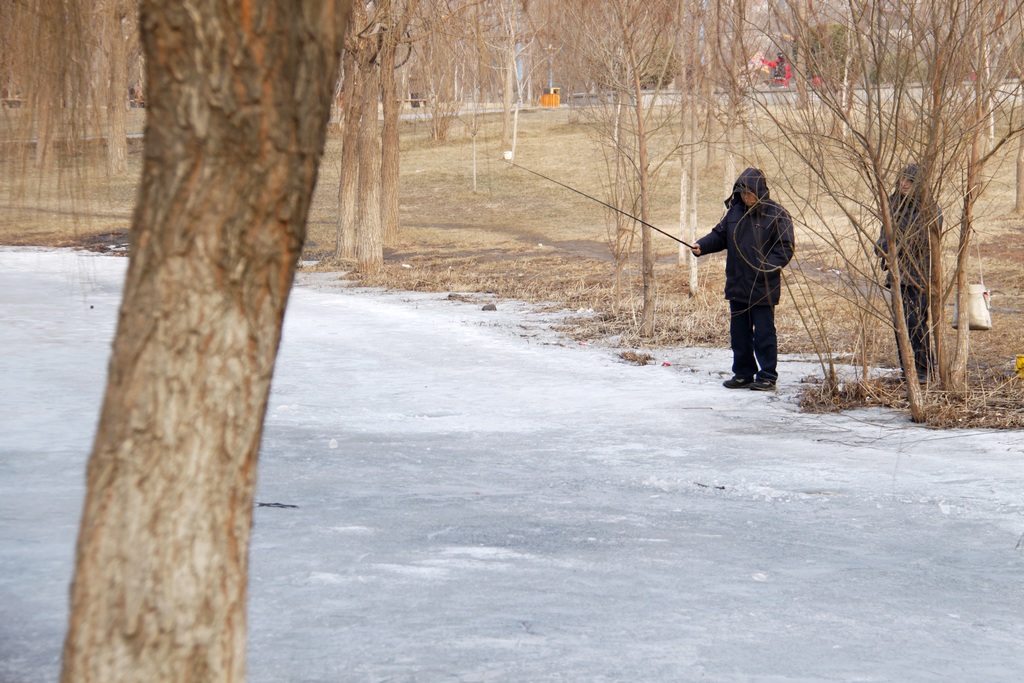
995, 401
636, 358
824, 396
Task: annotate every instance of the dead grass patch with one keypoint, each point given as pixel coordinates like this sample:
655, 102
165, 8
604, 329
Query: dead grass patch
995, 401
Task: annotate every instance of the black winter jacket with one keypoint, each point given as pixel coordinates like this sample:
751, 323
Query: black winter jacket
910, 228
758, 241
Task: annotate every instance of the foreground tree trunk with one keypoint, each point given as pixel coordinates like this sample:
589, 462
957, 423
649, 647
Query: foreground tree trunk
240, 94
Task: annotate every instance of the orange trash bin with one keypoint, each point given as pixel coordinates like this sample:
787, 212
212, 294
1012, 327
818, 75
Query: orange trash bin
551, 97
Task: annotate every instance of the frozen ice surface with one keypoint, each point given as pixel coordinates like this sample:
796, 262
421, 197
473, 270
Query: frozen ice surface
477, 499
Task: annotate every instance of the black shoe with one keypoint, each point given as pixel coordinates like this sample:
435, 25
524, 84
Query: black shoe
762, 385
737, 383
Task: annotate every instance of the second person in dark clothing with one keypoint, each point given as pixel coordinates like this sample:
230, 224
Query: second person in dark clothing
911, 218
757, 236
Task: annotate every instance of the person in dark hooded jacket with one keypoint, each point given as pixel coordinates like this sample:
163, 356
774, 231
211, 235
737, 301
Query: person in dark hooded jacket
757, 236
911, 217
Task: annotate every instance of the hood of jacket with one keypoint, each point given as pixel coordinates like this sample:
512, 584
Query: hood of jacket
751, 179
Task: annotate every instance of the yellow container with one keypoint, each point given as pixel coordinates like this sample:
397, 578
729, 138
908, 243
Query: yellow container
1020, 365
551, 97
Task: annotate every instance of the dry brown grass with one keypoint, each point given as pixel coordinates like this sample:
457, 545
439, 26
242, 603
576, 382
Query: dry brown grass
636, 358
519, 237
994, 402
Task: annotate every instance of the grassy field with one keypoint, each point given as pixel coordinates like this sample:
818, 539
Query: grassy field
518, 236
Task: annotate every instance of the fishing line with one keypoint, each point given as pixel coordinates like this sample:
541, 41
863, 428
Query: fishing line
595, 199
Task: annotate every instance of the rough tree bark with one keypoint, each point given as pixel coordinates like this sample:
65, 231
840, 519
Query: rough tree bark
389, 164
239, 94
348, 185
396, 20
369, 230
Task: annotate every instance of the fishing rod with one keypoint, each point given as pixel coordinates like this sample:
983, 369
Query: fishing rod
508, 158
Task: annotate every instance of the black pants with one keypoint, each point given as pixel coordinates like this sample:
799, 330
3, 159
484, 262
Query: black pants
754, 344
915, 310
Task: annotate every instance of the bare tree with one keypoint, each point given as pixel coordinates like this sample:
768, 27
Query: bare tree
48, 73
348, 184
396, 16
688, 83
929, 77
120, 37
239, 99
627, 48
476, 68
368, 198
992, 45
369, 229
440, 62
730, 22
16, 32
359, 231
508, 16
